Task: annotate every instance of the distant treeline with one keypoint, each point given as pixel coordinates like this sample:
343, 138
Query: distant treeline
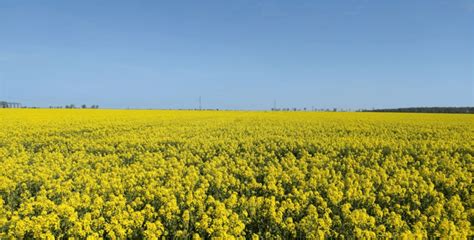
72, 106
426, 110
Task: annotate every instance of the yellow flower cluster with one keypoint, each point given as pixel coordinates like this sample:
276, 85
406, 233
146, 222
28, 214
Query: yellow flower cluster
117, 174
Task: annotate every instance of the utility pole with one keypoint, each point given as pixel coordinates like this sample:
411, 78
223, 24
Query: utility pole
274, 105
200, 103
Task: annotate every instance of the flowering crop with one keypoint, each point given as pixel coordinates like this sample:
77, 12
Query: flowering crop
120, 174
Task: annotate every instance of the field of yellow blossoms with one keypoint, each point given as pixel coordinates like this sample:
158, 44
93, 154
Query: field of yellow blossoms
130, 174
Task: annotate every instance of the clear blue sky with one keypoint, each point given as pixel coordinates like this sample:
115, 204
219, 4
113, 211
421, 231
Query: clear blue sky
238, 54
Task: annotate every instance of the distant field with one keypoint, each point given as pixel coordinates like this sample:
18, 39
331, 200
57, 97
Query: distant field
210, 174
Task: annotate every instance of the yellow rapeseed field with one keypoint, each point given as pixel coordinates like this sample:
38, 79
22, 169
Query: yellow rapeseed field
120, 174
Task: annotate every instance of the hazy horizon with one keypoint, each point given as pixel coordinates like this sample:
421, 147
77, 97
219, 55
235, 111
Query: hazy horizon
358, 54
